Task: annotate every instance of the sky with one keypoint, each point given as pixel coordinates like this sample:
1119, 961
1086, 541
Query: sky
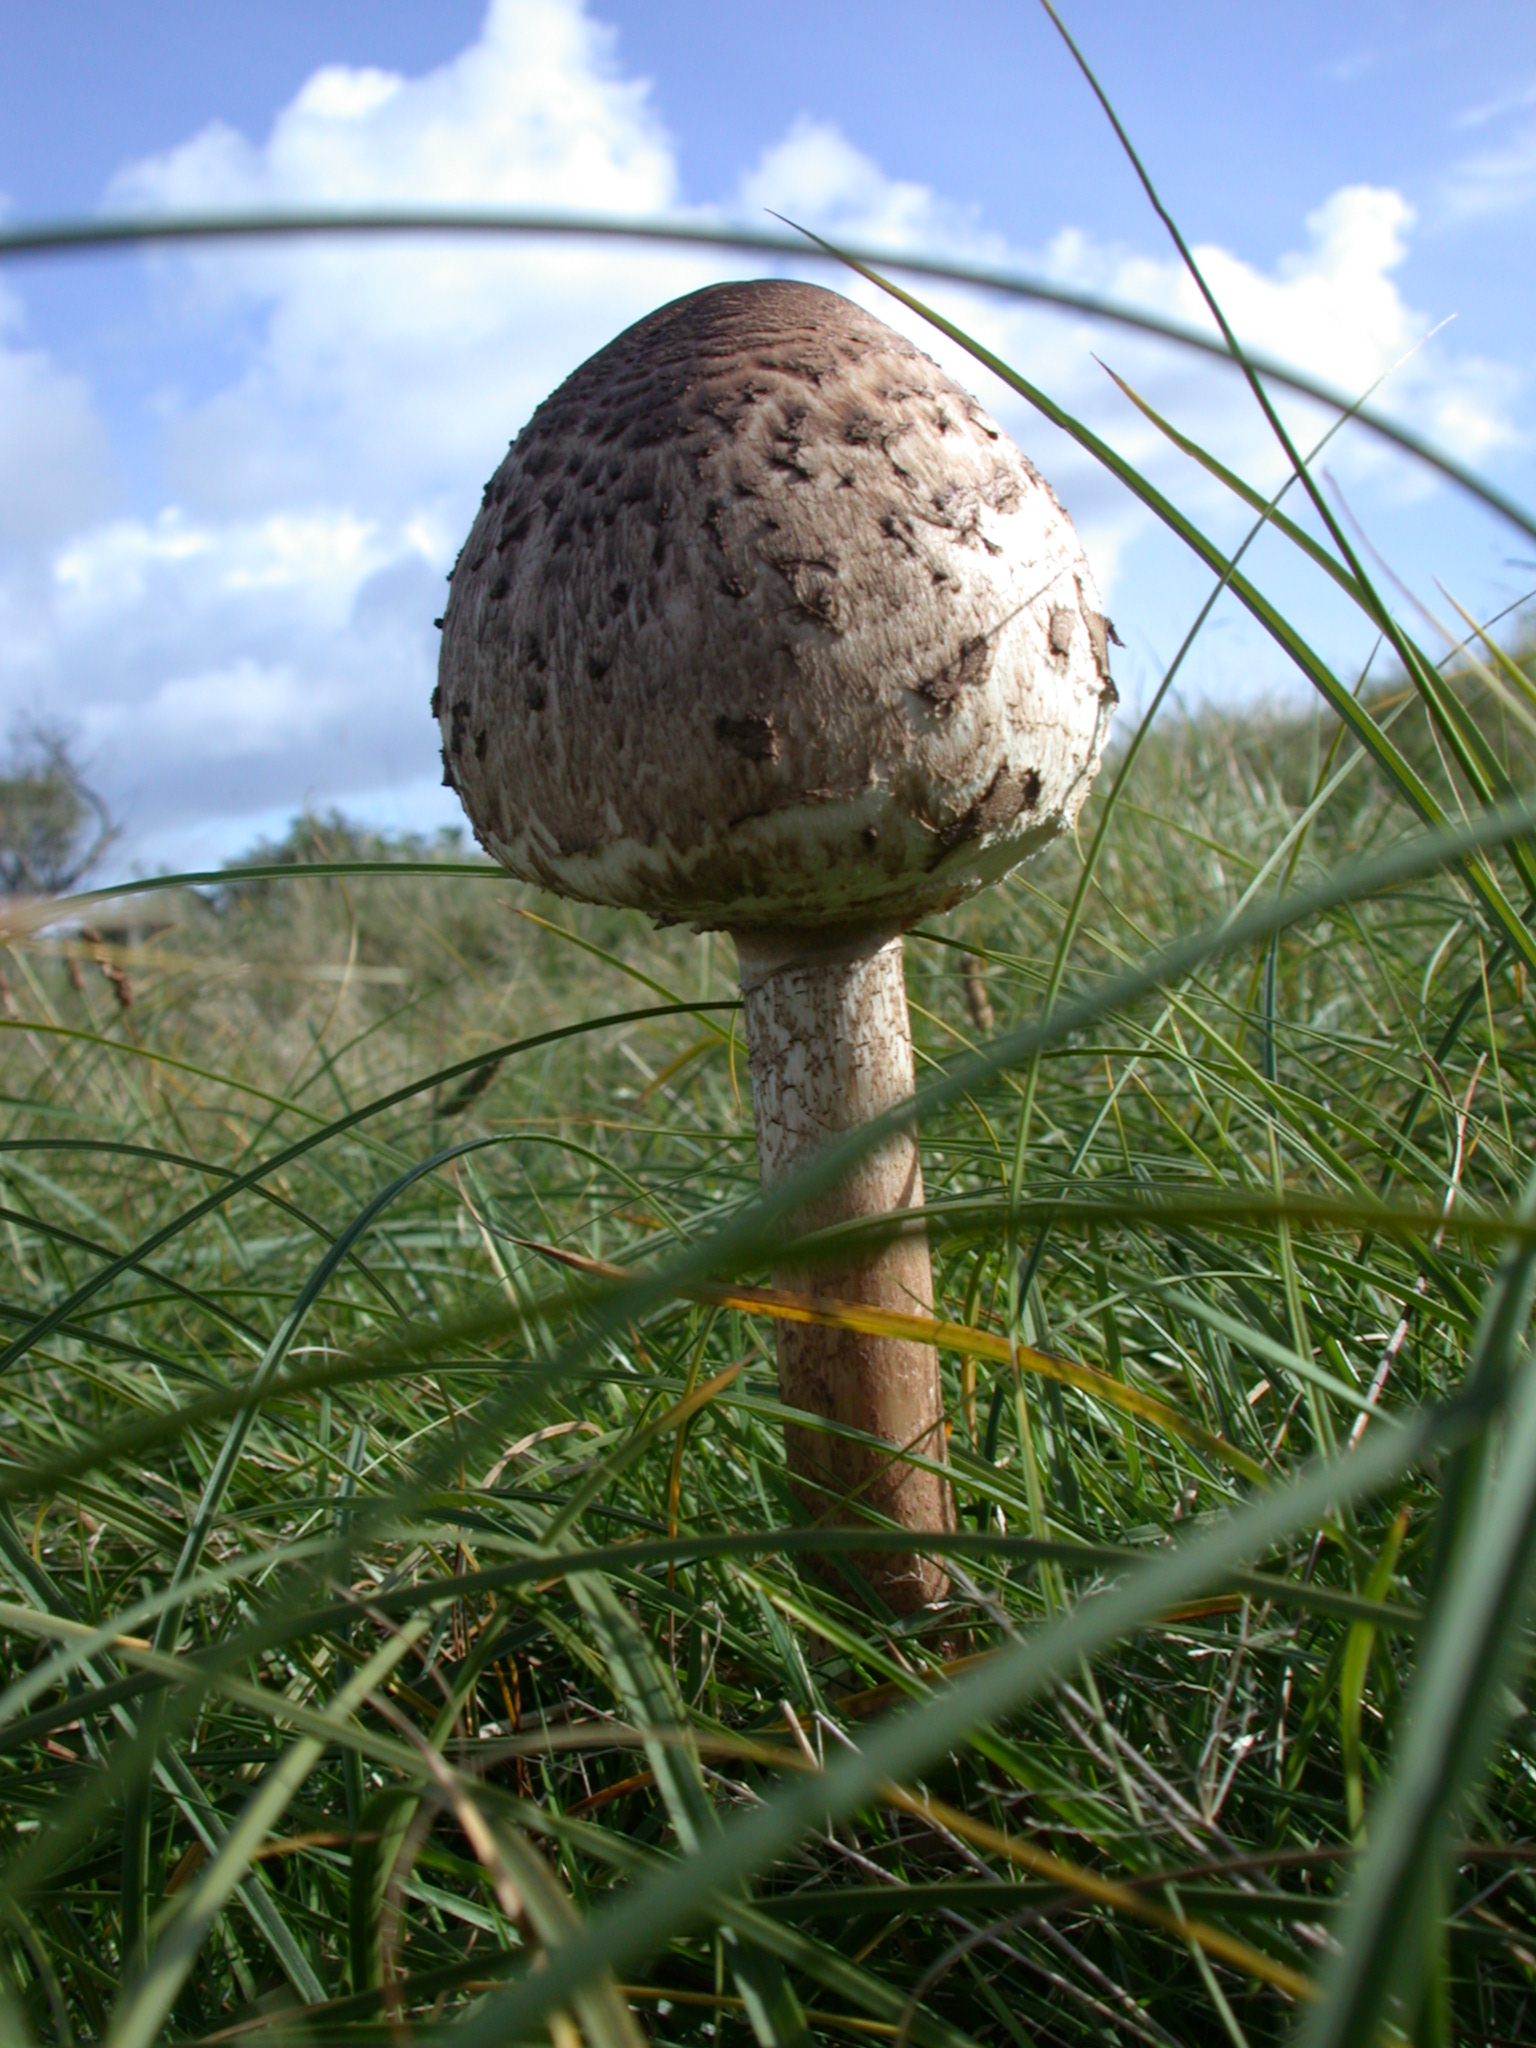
232, 479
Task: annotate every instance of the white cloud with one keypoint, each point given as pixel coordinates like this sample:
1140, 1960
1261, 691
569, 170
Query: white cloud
54, 453
1333, 307
815, 177
1494, 181
219, 715
390, 371
212, 670
1494, 110
311, 561
534, 112
270, 635
266, 639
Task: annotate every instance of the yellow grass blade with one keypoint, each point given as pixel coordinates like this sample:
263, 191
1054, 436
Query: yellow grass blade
960, 1337
1103, 1891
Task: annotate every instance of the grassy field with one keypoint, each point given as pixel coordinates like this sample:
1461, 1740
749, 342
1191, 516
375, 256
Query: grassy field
389, 1601
407, 1632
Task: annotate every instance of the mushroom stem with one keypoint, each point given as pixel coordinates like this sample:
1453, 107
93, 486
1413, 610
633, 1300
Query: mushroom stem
831, 1049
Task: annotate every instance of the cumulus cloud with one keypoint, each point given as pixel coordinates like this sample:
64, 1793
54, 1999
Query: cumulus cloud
387, 370
253, 637
1333, 307
252, 665
54, 452
310, 562
264, 637
816, 177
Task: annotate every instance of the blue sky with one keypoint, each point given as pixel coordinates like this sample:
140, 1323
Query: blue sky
233, 480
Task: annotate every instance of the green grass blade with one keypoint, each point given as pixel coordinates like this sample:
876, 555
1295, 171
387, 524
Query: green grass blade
1458, 1704
908, 1743
99, 233
289, 1154
773, 2011
146, 2005
1342, 702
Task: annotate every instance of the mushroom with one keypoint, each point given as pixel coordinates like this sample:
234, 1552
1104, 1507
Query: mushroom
764, 626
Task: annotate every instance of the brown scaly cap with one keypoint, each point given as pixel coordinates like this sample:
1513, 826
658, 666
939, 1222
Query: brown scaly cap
764, 623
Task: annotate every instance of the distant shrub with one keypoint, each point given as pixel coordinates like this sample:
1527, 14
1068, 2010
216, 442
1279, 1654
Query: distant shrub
53, 826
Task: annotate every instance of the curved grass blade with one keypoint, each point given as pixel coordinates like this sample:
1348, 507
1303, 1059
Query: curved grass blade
786, 1307
173, 1774
1075, 910
56, 1233
288, 1154
147, 2004
1240, 1209
1414, 665
1435, 849
58, 237
271, 1364
136, 1820
757, 1223
1356, 1664
904, 1745
1343, 702
839, 1315
1459, 1701
1481, 1599
1424, 855
531, 1898
771, 2007
1101, 1891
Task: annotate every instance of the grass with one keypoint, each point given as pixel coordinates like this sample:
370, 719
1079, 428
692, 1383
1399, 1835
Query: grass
498, 1495
408, 1631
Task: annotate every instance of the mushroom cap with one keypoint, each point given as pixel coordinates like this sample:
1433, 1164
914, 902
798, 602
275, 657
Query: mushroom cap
764, 624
